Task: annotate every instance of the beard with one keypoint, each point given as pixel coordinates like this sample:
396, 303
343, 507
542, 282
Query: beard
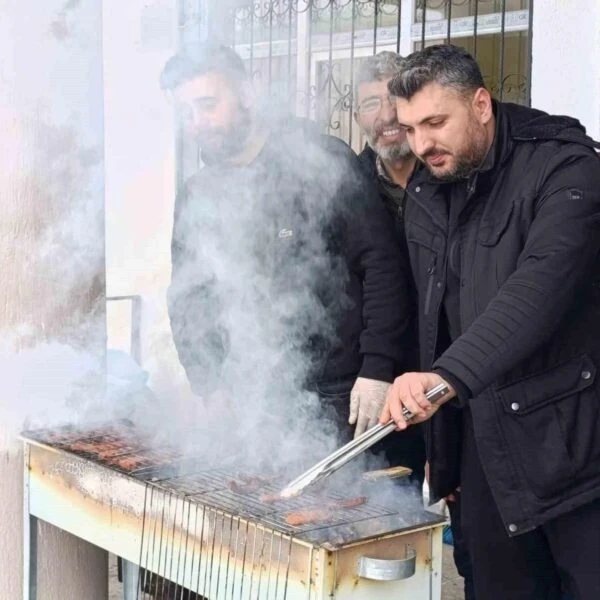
221, 144
391, 153
387, 152
466, 159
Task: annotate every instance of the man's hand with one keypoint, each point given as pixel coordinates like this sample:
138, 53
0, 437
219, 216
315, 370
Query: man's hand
409, 391
367, 399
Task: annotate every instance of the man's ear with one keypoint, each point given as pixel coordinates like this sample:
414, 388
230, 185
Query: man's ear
482, 105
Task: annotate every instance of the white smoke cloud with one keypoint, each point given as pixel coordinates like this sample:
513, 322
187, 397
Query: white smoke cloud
51, 214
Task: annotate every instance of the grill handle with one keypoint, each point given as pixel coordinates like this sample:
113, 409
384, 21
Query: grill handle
380, 569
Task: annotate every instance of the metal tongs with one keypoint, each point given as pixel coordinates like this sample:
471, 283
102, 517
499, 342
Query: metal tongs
346, 453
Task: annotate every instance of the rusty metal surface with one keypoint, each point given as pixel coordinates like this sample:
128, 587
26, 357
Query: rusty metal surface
177, 528
121, 448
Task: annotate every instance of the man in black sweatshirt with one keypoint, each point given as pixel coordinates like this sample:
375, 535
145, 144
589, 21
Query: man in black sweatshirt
503, 230
285, 269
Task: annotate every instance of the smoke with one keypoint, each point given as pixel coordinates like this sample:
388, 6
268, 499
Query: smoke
261, 291
261, 285
48, 385
52, 330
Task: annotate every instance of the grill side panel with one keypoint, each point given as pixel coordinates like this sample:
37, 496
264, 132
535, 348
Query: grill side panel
217, 555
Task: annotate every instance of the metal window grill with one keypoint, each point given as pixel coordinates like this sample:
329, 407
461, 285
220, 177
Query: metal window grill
303, 54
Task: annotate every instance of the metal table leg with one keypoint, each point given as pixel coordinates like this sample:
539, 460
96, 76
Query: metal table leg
30, 537
130, 580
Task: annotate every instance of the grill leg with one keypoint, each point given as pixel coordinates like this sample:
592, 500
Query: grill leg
30, 558
130, 580
30, 538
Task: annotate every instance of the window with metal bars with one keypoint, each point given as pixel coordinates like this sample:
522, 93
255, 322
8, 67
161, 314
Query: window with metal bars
303, 53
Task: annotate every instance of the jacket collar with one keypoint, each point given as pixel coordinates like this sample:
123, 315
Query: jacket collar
514, 124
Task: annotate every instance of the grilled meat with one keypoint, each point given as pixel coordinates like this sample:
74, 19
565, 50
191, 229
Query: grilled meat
305, 517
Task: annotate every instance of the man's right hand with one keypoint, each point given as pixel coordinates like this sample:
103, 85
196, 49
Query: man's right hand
409, 391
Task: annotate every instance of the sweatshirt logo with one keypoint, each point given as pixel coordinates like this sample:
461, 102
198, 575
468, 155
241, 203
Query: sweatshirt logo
285, 233
575, 194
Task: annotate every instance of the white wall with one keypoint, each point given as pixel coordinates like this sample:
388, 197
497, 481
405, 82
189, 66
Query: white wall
51, 256
139, 36
566, 60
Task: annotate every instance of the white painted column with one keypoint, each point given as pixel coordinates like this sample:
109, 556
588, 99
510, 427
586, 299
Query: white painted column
407, 18
303, 59
139, 37
565, 76
52, 257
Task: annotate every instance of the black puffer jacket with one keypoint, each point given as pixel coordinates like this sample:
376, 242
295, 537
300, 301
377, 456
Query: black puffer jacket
529, 311
297, 249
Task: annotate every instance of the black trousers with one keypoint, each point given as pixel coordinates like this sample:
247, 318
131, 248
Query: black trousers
561, 557
462, 560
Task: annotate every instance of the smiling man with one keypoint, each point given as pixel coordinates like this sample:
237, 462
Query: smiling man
389, 162
387, 157
503, 230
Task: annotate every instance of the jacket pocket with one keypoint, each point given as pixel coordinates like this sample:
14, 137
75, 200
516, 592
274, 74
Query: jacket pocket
551, 421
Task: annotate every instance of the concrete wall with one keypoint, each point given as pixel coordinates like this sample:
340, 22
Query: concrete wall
566, 59
51, 257
139, 37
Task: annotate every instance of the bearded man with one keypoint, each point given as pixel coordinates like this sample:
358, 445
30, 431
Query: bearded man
503, 230
387, 157
389, 161
285, 268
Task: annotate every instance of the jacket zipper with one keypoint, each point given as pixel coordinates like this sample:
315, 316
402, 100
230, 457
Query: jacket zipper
431, 273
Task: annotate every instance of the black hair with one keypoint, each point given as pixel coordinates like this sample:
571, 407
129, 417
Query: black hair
446, 65
199, 59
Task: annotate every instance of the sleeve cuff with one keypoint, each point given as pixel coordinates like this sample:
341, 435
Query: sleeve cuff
377, 366
463, 393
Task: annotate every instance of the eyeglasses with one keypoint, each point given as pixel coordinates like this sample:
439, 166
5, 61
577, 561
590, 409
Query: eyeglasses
375, 104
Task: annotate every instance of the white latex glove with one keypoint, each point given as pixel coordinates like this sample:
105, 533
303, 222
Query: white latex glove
367, 400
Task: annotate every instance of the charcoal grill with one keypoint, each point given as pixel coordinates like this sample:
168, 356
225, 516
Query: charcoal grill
174, 517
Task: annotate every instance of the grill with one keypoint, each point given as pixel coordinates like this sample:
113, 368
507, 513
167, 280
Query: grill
191, 526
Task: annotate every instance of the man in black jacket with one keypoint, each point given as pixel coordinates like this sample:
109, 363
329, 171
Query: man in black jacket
503, 229
285, 271
389, 161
